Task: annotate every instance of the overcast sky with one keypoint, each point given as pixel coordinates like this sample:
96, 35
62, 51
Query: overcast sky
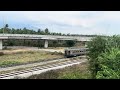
74, 22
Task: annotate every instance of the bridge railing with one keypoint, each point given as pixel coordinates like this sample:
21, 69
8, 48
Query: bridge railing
78, 38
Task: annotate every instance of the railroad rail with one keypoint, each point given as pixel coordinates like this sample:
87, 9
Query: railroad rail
42, 68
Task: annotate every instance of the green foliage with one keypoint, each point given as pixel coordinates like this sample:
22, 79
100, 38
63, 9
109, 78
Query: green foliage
6, 25
76, 74
55, 43
113, 41
35, 43
109, 64
70, 43
107, 73
110, 58
1, 53
47, 75
70, 75
46, 31
104, 57
9, 63
96, 47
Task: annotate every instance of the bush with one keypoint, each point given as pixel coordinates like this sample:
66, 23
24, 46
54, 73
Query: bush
70, 43
109, 64
9, 63
96, 47
104, 52
107, 73
1, 53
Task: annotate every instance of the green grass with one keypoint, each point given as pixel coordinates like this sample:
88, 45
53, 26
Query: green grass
8, 63
73, 72
26, 57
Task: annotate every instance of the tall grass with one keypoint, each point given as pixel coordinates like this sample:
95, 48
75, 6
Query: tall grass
26, 57
72, 72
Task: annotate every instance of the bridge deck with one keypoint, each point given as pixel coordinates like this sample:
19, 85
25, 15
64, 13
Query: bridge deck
48, 37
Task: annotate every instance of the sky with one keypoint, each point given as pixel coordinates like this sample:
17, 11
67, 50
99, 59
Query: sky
73, 22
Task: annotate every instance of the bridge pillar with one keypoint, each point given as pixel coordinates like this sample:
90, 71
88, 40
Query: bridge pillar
85, 44
1, 45
46, 44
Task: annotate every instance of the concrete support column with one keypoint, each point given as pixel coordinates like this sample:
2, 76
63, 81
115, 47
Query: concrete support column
1, 45
85, 44
46, 44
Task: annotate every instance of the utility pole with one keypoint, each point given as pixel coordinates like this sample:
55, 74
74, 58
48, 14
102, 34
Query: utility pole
3, 25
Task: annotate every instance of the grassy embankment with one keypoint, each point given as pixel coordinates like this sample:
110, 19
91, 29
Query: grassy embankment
26, 57
72, 72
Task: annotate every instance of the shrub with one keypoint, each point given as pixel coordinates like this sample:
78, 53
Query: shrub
104, 56
109, 64
8, 63
1, 53
96, 47
70, 43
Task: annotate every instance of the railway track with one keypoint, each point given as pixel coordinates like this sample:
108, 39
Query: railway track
42, 68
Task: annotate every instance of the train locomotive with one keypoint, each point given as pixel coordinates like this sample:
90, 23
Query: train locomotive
70, 52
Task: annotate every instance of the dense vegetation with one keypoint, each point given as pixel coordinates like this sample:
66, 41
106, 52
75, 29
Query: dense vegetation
104, 57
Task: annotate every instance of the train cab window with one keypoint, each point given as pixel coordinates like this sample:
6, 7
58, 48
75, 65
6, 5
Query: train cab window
65, 52
69, 52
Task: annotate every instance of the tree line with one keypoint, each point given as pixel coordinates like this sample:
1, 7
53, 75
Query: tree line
7, 30
34, 43
28, 31
46, 31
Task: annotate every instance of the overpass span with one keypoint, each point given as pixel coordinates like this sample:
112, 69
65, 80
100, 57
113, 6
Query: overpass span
44, 37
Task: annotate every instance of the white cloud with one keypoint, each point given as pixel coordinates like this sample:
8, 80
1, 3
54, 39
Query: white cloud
60, 17
86, 22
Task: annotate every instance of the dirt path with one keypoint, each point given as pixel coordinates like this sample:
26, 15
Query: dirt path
24, 49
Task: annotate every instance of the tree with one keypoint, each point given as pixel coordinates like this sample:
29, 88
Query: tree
46, 31
68, 34
55, 43
96, 47
25, 30
6, 25
5, 28
70, 43
13, 31
39, 31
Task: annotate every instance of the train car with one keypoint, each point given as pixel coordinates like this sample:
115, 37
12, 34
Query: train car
75, 51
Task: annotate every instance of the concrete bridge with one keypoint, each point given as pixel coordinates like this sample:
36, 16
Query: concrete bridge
44, 37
